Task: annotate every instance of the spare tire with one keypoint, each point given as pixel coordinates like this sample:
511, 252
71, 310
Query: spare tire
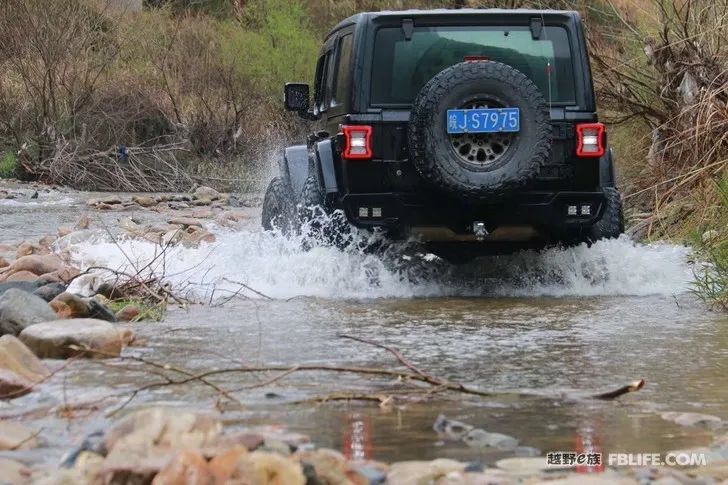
479, 166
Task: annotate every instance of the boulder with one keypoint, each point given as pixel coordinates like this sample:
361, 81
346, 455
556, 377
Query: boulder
19, 359
53, 340
15, 436
4, 263
71, 306
13, 385
13, 472
189, 467
203, 192
330, 465
144, 201
19, 309
28, 286
50, 291
26, 249
37, 264
21, 276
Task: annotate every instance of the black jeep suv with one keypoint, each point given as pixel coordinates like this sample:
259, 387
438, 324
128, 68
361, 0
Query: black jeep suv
473, 130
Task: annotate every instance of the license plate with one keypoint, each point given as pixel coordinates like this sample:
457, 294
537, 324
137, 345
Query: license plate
483, 120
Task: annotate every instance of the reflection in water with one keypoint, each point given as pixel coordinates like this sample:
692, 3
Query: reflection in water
357, 443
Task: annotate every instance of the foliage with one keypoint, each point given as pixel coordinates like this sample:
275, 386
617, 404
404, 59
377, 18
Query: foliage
7, 165
147, 310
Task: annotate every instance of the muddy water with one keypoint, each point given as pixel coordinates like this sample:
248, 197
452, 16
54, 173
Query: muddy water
560, 324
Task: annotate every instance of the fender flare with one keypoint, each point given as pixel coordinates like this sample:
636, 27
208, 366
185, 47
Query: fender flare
324, 166
294, 167
607, 174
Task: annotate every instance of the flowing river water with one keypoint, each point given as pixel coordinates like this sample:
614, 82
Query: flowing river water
560, 324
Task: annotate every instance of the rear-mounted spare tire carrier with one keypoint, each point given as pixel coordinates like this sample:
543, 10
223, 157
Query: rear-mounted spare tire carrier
472, 84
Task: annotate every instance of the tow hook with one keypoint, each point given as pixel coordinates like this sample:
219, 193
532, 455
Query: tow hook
479, 230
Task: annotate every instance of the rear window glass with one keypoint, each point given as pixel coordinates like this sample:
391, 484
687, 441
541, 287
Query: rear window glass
401, 67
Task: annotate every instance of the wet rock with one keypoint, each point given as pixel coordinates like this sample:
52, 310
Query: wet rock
63, 232
47, 241
28, 286
128, 313
19, 309
185, 221
13, 472
15, 436
416, 472
144, 201
53, 340
693, 419
50, 291
241, 439
167, 427
27, 249
37, 264
200, 201
99, 311
92, 443
144, 442
21, 276
367, 475
263, 468
451, 429
110, 199
15, 357
526, 451
479, 438
3, 263
187, 468
330, 465
204, 192
64, 275
224, 464
13, 385
203, 213
69, 305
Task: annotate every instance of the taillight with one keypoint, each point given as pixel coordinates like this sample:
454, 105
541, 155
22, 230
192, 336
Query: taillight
358, 142
590, 140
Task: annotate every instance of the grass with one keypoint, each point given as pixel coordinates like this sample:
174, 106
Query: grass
147, 311
7, 165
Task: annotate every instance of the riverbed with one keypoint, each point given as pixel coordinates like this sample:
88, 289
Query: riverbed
556, 325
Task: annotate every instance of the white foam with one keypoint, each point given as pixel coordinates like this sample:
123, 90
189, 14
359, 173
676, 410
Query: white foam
278, 267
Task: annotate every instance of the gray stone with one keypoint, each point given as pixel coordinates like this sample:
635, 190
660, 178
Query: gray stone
693, 419
53, 340
19, 309
479, 438
50, 291
29, 286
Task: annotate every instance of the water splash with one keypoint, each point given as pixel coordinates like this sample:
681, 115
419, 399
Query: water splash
284, 267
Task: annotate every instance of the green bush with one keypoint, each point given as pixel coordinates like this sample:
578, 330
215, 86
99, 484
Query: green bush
7, 165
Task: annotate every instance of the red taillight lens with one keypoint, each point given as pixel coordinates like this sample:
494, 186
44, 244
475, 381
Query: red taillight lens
590, 140
358, 142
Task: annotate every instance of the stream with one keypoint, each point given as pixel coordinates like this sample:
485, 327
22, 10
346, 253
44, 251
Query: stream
557, 324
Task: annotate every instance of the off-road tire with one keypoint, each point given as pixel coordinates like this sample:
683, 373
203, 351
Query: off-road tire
611, 225
430, 145
278, 207
311, 201
318, 218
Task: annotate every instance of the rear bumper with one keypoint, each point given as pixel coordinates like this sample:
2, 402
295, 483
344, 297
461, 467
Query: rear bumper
541, 210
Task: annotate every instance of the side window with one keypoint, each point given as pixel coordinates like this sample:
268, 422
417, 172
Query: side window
343, 70
329, 80
319, 83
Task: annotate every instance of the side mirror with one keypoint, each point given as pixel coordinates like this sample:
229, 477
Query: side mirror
296, 97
